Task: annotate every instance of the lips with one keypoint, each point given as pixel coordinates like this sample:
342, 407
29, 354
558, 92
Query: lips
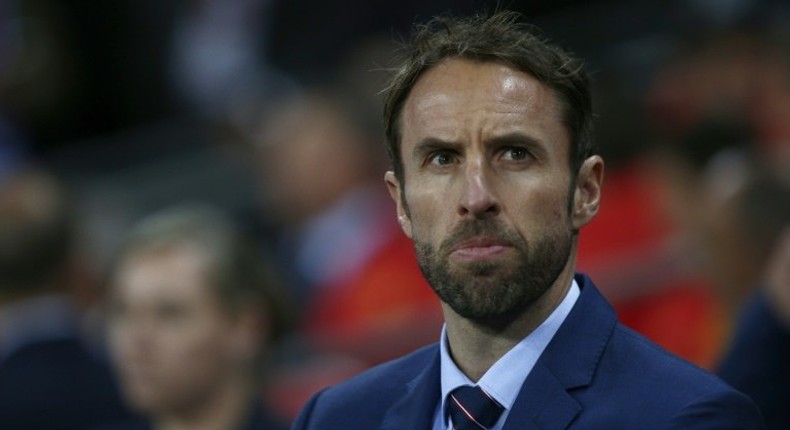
481, 248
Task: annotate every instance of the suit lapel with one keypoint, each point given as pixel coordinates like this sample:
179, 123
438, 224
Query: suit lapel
416, 407
543, 403
569, 362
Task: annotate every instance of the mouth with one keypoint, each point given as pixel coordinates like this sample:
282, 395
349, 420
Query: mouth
480, 248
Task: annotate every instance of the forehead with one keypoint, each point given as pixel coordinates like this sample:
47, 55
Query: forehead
459, 93
177, 272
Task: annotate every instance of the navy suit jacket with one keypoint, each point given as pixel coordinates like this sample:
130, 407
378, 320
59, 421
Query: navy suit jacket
594, 374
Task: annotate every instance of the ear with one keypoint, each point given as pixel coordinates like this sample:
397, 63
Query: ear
587, 192
394, 187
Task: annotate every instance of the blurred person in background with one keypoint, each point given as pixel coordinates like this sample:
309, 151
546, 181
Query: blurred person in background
51, 377
742, 74
721, 109
217, 63
364, 298
718, 113
757, 362
743, 208
749, 257
194, 311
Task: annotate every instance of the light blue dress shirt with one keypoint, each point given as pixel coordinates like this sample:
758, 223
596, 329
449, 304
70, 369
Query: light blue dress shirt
504, 379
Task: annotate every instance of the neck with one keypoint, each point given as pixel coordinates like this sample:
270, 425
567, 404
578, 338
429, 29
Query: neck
226, 409
476, 347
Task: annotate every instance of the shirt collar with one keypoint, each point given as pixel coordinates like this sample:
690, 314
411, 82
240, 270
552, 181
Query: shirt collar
504, 379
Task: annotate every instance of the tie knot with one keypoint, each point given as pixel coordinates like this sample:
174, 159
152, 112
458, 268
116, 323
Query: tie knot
471, 408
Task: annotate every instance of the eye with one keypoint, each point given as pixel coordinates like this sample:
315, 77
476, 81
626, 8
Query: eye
515, 153
441, 158
171, 312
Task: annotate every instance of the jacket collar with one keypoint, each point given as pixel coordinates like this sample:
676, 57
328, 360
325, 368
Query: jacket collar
569, 362
417, 404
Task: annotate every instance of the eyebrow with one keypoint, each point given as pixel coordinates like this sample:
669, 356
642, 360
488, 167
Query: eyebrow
516, 138
431, 144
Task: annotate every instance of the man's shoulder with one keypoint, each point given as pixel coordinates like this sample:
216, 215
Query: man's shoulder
629, 360
388, 375
364, 399
646, 386
652, 363
631, 382
640, 366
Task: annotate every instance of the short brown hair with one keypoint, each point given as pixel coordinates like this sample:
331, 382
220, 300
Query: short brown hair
500, 37
238, 272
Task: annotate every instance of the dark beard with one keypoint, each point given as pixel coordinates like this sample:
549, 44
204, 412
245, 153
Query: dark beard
494, 294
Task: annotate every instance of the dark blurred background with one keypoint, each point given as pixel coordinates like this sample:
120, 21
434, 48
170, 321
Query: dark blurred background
131, 101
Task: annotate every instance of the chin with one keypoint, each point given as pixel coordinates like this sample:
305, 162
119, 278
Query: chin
144, 399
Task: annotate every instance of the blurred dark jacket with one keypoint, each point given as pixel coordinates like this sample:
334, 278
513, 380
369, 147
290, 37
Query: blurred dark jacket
758, 363
49, 378
261, 419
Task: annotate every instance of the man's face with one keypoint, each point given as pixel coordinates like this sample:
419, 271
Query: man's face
170, 337
487, 187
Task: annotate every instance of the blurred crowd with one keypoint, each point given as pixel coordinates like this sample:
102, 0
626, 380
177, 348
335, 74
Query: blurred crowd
195, 232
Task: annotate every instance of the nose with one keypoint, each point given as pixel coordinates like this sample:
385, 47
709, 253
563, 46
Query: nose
134, 334
477, 199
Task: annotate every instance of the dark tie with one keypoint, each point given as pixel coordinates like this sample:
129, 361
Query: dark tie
471, 408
